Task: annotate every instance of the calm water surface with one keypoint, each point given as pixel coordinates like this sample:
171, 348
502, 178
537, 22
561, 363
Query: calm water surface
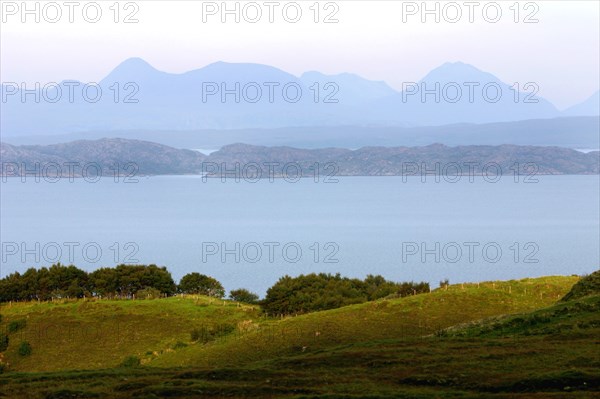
249, 234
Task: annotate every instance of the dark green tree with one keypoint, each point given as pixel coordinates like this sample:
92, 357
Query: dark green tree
24, 349
312, 292
196, 283
243, 295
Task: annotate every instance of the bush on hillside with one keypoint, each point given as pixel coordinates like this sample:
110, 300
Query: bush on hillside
24, 349
243, 295
16, 325
313, 292
200, 284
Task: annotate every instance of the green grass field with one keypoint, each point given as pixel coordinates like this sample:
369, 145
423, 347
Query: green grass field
508, 339
80, 334
402, 318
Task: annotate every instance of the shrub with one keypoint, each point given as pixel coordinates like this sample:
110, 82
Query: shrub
24, 349
131, 362
3, 342
243, 295
16, 325
313, 292
196, 283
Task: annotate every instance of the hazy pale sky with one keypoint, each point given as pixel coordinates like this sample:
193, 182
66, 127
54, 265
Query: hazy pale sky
560, 52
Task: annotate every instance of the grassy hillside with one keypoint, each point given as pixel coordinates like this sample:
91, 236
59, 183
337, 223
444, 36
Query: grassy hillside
576, 314
81, 335
500, 363
99, 334
402, 318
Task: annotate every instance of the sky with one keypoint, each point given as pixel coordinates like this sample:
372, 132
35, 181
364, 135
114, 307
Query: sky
555, 43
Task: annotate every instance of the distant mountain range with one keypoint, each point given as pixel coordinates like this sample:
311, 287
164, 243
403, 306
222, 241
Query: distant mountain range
136, 96
133, 157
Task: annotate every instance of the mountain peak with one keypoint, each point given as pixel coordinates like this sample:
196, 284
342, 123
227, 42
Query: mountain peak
457, 65
135, 63
459, 72
132, 68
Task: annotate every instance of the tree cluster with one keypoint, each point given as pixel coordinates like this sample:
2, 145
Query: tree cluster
59, 281
313, 292
305, 293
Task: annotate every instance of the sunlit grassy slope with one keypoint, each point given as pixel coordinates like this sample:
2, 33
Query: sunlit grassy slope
100, 334
402, 318
578, 312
